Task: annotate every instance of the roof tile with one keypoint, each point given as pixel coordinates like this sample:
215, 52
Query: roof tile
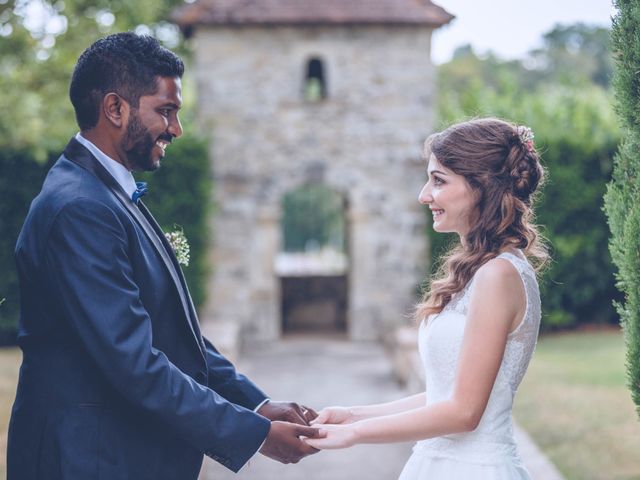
310, 12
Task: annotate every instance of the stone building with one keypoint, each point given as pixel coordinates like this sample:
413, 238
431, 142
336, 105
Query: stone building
305, 93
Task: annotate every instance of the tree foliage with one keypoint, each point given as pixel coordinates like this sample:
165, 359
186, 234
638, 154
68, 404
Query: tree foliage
577, 135
313, 217
573, 54
623, 194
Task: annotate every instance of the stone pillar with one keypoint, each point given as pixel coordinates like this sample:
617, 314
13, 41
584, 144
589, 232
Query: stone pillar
265, 297
361, 311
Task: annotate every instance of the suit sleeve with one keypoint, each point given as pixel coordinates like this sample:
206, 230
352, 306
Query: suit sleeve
86, 260
232, 385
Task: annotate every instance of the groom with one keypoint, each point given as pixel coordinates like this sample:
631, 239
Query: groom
116, 381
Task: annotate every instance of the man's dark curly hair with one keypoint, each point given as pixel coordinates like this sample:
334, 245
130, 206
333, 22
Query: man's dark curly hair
124, 63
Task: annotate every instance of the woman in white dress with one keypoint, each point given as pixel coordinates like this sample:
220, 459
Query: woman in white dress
479, 320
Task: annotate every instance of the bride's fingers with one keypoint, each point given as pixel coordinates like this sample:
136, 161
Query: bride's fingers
322, 417
312, 443
320, 443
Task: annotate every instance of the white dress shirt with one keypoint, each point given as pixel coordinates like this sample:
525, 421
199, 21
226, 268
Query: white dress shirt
116, 169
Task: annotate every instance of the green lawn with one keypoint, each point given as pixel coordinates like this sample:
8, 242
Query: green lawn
9, 364
575, 404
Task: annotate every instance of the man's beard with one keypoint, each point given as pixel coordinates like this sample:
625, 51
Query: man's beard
138, 144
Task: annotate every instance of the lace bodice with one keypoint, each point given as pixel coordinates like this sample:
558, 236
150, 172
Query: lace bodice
440, 342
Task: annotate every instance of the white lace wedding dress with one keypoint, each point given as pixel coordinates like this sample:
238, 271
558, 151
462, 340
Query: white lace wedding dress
489, 452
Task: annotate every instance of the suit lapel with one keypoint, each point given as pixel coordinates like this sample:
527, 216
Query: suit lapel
179, 276
78, 154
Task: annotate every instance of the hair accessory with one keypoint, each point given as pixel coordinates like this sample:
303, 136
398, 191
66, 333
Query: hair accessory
526, 136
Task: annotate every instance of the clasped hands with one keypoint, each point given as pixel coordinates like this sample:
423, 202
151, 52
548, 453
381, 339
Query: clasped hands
337, 428
298, 431
285, 441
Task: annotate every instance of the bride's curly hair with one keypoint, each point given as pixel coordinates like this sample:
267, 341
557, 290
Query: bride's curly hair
500, 164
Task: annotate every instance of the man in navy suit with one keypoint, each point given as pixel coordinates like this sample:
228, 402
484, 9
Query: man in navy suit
116, 380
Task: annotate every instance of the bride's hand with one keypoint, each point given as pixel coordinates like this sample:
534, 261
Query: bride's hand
334, 415
337, 436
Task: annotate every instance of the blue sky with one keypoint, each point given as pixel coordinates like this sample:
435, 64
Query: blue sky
511, 27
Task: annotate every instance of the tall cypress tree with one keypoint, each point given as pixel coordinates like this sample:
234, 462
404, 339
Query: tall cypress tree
622, 200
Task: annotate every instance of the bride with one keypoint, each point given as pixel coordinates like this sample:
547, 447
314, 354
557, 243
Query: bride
479, 320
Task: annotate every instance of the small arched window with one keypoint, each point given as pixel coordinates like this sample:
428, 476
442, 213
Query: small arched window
315, 83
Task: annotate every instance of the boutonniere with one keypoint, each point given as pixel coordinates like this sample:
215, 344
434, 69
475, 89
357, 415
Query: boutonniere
180, 245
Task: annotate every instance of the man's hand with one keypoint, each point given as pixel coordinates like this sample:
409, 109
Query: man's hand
284, 444
287, 412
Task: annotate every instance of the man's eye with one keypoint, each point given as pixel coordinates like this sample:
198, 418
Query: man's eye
164, 112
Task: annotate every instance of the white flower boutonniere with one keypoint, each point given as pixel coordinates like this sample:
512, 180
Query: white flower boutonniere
180, 245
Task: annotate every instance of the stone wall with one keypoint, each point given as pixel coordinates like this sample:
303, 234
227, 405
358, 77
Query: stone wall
364, 141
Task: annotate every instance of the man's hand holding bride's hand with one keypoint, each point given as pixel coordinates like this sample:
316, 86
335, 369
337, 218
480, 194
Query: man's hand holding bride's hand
286, 442
335, 436
334, 415
287, 412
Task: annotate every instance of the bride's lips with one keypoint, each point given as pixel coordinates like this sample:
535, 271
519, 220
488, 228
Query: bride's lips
436, 212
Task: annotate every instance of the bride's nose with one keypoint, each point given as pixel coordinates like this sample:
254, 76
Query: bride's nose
425, 195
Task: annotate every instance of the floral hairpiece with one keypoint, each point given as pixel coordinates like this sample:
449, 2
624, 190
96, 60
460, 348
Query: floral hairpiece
526, 136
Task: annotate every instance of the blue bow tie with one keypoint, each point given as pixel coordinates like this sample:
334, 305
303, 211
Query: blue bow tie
140, 191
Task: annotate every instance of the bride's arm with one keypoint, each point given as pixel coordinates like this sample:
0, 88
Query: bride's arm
390, 408
496, 304
342, 415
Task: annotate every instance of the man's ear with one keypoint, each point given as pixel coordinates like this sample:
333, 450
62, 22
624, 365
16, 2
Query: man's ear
116, 109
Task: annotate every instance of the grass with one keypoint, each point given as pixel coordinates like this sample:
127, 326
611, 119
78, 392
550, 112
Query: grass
9, 363
575, 404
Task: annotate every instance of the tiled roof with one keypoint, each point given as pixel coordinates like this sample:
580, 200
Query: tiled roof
310, 12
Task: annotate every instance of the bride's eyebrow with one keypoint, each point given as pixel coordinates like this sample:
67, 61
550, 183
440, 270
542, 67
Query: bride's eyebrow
431, 172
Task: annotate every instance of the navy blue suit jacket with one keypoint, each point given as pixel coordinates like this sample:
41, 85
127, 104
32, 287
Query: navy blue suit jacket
116, 380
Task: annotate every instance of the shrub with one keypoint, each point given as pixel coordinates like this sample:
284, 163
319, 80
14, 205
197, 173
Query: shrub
623, 194
20, 180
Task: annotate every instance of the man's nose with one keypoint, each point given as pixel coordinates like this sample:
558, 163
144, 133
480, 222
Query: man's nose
175, 128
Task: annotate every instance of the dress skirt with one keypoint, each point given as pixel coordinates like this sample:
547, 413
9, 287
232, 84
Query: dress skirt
445, 459
421, 467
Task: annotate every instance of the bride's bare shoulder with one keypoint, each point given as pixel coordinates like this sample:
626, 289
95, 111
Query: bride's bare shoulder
498, 279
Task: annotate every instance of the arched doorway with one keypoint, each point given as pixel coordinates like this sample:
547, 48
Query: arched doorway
313, 262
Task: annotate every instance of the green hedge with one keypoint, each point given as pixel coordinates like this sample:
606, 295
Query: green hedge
179, 196
20, 180
623, 195
579, 286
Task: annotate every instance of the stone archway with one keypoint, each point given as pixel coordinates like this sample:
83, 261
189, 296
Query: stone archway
312, 264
